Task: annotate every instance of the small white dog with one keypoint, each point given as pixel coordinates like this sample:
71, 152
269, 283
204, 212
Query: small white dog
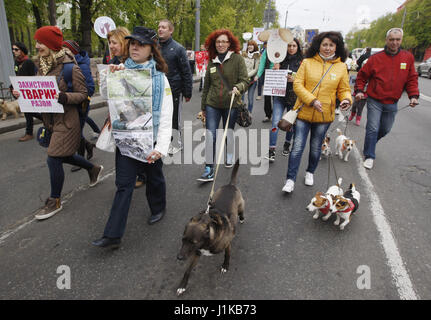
324, 202
346, 205
343, 145
10, 107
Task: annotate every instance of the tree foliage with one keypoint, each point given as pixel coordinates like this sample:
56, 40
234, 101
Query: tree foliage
417, 28
25, 16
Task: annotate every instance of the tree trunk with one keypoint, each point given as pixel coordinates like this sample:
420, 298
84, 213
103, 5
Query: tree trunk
11, 33
52, 13
36, 14
86, 25
30, 43
73, 20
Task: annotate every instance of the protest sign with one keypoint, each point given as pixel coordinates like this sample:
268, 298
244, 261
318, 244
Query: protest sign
103, 25
275, 83
201, 58
130, 109
37, 94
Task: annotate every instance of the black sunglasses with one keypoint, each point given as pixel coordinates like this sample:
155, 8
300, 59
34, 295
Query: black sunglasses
15, 49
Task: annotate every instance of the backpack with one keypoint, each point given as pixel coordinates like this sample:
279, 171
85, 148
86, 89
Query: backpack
67, 75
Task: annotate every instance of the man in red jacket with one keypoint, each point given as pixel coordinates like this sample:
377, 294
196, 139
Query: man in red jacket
388, 73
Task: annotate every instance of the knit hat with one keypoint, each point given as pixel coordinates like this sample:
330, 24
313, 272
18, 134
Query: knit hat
72, 46
50, 36
21, 47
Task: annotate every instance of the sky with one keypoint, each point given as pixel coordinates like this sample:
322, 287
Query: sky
334, 15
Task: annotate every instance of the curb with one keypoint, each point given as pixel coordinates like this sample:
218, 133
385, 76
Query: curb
22, 124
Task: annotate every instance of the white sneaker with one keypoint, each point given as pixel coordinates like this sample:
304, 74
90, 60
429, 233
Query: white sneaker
309, 179
289, 186
368, 163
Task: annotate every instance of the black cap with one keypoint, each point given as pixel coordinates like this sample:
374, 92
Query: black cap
143, 35
21, 46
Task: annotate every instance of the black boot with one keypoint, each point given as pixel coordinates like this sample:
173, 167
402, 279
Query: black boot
81, 152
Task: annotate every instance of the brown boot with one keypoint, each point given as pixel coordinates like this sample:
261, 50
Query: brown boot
25, 138
51, 207
94, 174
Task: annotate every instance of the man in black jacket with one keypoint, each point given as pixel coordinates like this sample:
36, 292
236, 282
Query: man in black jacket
24, 66
179, 74
362, 58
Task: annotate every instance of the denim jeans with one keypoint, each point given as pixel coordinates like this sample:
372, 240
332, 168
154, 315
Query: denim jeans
213, 116
277, 112
29, 121
125, 176
380, 119
260, 82
301, 130
56, 171
250, 95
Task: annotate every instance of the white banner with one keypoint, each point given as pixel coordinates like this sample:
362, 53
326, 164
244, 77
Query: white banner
130, 109
37, 94
256, 32
275, 83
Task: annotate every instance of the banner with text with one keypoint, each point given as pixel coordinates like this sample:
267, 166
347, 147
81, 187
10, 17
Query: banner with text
37, 94
275, 83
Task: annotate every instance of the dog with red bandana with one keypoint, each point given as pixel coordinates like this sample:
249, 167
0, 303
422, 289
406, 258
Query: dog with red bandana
346, 205
322, 203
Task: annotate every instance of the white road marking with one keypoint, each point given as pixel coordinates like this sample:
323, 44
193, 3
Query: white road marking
394, 260
27, 221
424, 97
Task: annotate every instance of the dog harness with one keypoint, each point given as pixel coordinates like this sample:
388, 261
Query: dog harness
352, 206
325, 210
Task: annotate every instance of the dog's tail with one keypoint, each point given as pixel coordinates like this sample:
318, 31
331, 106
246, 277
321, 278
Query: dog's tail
352, 187
340, 180
234, 173
339, 131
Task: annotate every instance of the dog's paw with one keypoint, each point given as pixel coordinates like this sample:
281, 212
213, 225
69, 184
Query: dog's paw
223, 270
325, 218
180, 291
241, 220
342, 227
336, 223
316, 216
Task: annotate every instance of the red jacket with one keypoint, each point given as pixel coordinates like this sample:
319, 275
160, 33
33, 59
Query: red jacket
387, 76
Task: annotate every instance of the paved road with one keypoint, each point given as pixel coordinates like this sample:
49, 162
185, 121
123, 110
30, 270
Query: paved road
279, 253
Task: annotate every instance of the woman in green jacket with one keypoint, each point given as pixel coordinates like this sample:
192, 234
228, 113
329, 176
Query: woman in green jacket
223, 49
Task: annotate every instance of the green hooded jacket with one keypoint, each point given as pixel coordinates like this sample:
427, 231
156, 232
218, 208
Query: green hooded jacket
215, 93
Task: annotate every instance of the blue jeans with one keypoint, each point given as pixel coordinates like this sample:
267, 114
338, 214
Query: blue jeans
213, 116
380, 119
301, 130
277, 112
56, 172
250, 95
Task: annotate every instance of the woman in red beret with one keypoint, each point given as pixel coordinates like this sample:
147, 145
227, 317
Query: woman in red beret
65, 128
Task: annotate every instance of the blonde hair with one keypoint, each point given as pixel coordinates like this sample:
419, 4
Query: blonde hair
119, 34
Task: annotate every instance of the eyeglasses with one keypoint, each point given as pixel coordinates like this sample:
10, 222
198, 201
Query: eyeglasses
222, 41
15, 49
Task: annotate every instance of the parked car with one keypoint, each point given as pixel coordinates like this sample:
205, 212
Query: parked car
425, 68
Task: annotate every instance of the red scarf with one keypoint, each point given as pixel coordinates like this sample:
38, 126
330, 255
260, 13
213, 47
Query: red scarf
21, 59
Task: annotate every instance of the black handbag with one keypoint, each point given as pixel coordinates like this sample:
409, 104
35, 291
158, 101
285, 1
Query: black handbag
244, 117
43, 136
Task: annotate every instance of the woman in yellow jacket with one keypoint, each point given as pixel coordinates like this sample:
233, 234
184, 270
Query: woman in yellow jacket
327, 52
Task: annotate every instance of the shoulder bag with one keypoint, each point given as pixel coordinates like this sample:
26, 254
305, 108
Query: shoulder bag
288, 120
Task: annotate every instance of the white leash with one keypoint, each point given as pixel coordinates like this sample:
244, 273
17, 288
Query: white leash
220, 153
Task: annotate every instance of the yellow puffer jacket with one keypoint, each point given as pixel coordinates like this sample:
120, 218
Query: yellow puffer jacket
335, 84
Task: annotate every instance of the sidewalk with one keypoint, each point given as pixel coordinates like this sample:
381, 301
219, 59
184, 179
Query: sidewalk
12, 124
